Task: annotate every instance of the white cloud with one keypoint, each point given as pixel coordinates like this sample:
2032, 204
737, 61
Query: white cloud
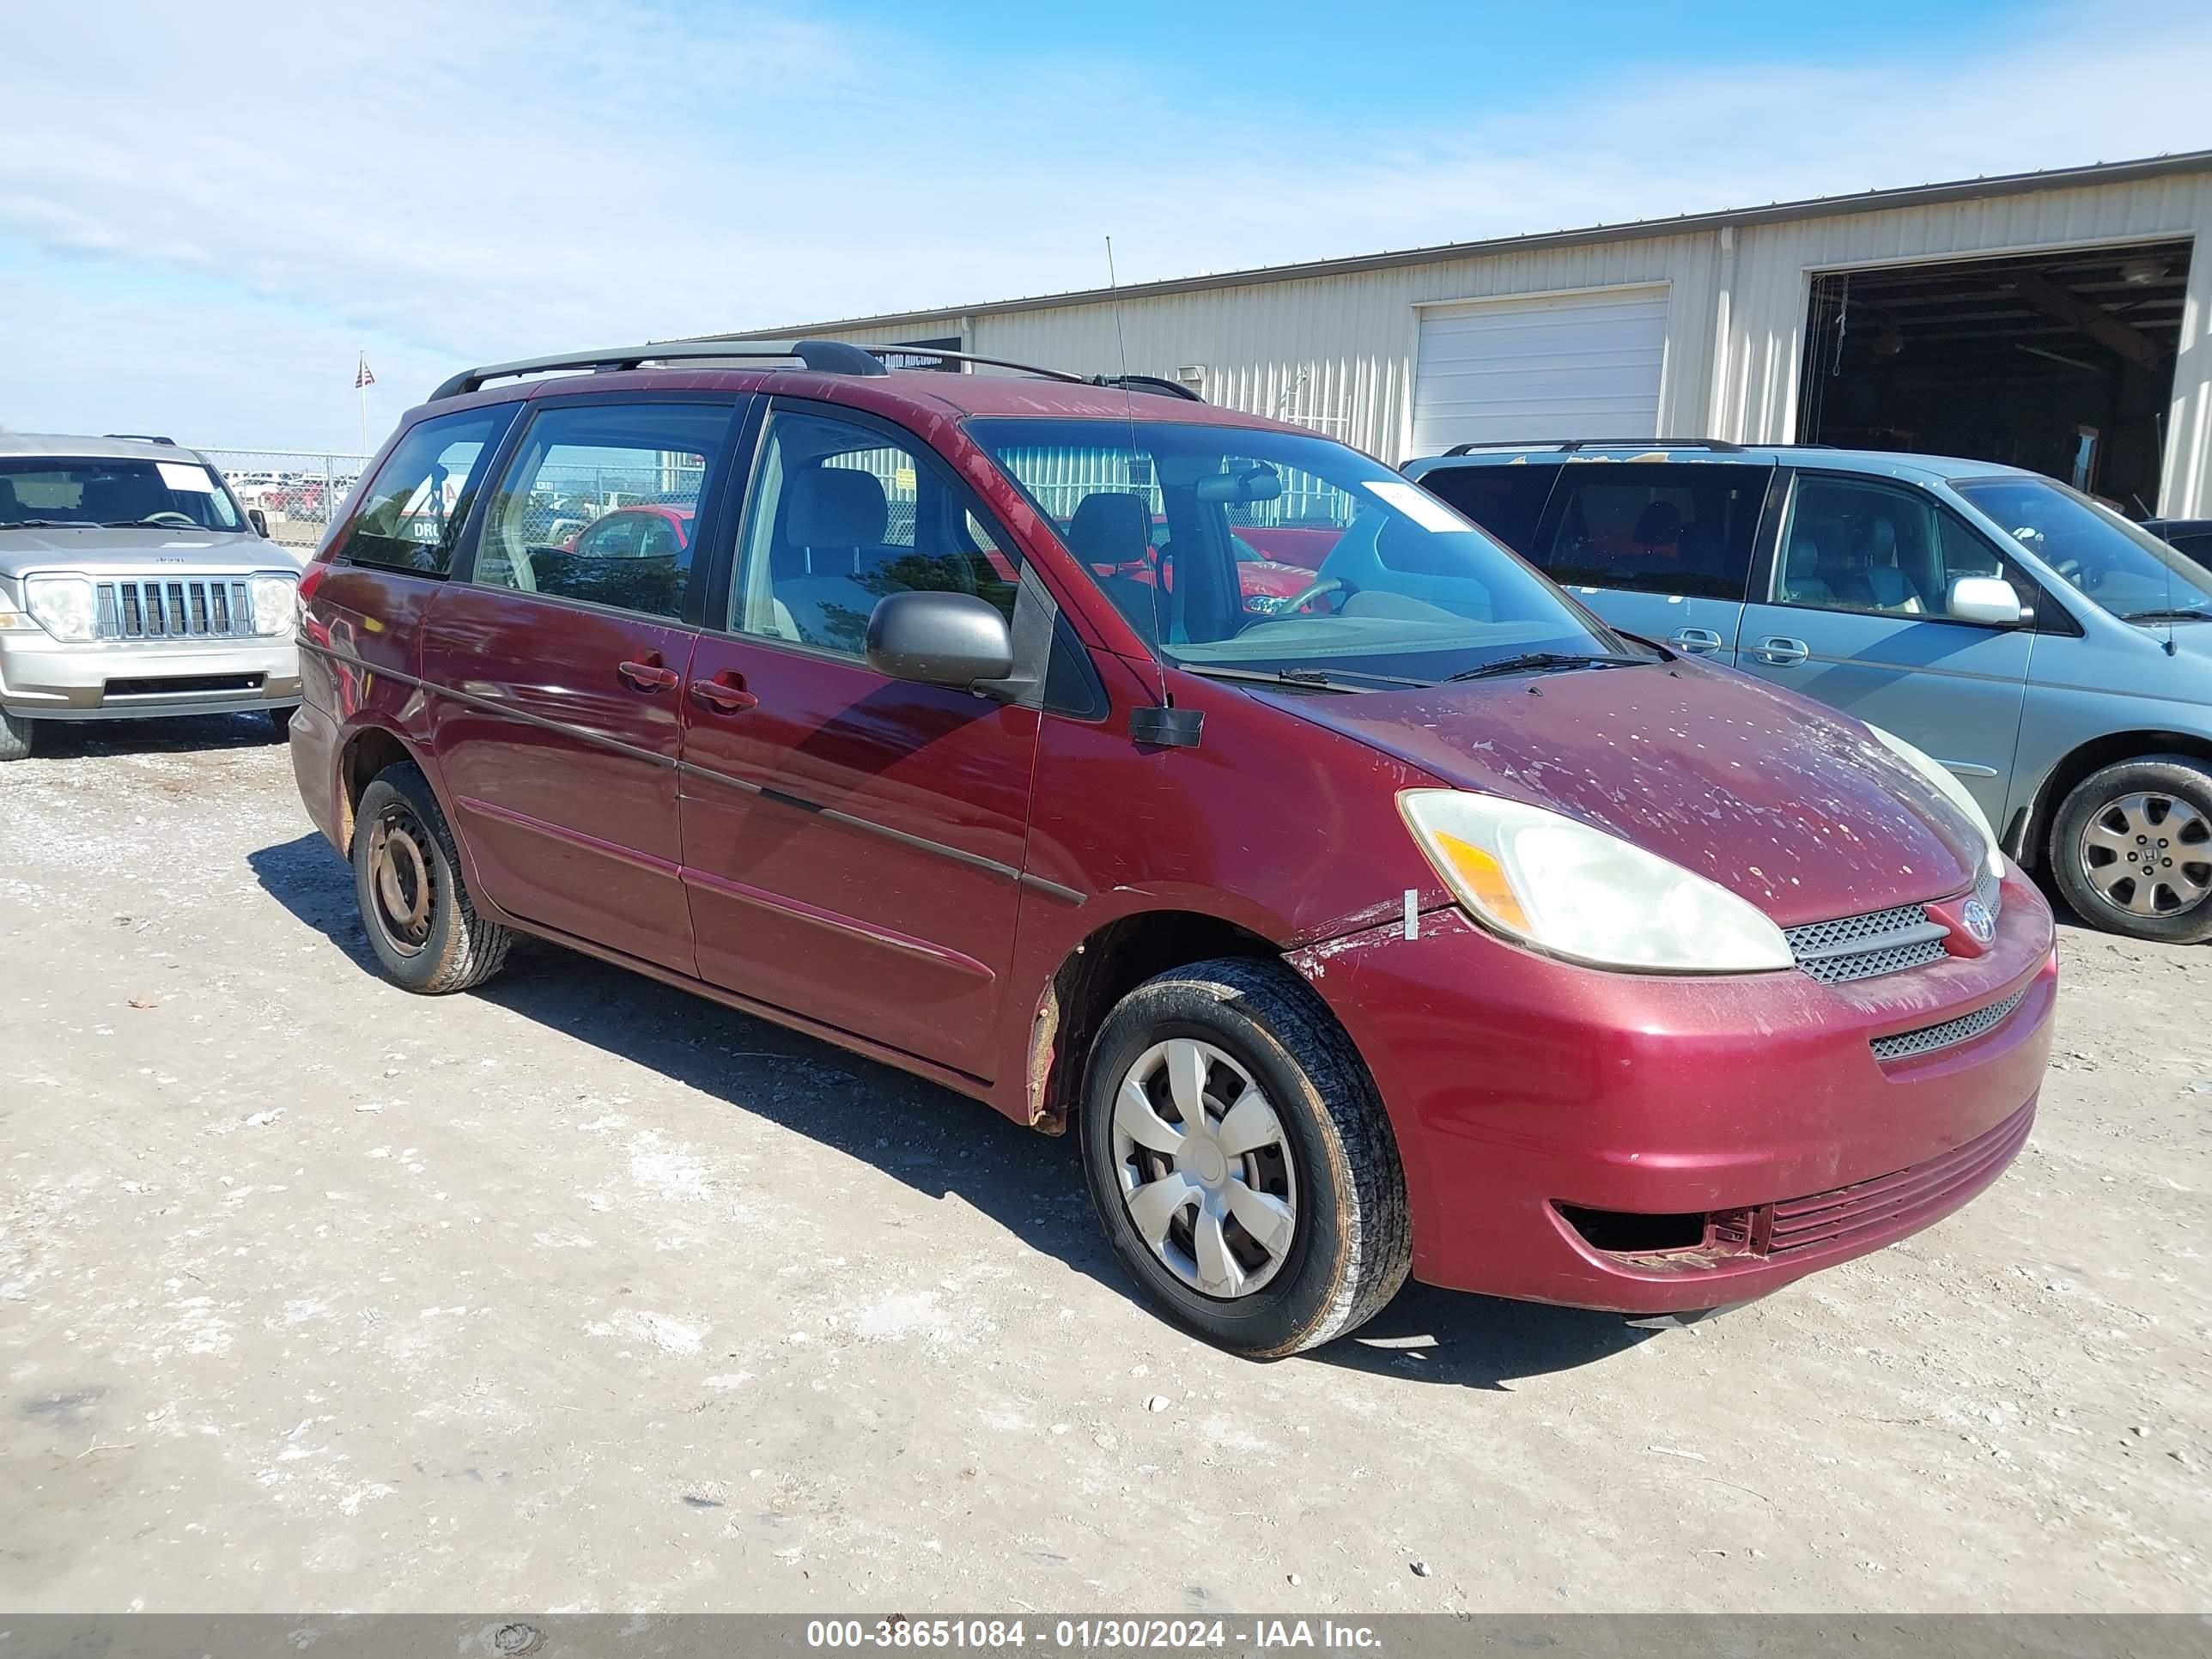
210, 211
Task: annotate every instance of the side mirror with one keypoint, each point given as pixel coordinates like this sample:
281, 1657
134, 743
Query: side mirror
939, 639
1985, 599
259, 520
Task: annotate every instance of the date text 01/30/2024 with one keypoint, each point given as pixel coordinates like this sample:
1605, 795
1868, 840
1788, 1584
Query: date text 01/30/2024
1085, 1635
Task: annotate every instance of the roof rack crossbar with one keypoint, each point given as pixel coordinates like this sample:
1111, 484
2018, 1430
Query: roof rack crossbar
144, 438
1152, 383
1568, 446
823, 357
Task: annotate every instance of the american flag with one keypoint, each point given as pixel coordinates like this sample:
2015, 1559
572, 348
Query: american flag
364, 376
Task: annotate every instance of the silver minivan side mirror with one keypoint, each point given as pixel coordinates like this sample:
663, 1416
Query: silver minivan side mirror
1985, 599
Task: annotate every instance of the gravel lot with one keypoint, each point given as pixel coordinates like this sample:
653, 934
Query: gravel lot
581, 1294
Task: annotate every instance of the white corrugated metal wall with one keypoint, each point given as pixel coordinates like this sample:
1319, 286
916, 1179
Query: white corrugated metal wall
1337, 351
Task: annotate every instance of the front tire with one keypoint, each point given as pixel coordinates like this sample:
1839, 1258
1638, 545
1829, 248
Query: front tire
14, 737
1240, 1162
2131, 850
414, 905
280, 724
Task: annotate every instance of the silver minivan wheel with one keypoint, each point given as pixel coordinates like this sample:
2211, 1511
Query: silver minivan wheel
2131, 850
2149, 853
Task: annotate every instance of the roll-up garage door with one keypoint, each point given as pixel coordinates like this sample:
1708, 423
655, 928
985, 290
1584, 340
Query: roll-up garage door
1547, 365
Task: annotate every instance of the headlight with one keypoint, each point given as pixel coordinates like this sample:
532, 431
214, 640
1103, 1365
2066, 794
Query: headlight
1953, 791
63, 605
1579, 892
273, 606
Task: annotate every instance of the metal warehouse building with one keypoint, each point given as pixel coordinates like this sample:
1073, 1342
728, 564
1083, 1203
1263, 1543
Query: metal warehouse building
2057, 321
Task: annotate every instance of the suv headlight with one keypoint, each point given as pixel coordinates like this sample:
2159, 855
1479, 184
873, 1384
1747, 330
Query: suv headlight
1575, 891
1953, 791
64, 606
274, 607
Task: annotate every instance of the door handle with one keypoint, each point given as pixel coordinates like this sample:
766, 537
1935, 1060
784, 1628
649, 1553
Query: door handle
721, 693
1781, 651
1697, 641
648, 676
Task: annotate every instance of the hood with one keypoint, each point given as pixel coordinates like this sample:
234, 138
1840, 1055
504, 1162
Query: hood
1776, 799
182, 551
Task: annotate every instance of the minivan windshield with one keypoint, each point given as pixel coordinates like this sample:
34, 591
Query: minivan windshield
2114, 563
1401, 589
52, 491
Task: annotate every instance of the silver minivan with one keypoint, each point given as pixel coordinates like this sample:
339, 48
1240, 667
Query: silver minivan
2055, 657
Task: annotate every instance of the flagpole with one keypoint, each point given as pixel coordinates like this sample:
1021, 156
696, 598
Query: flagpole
361, 390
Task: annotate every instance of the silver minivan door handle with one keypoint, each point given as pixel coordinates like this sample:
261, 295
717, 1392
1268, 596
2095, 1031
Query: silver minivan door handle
1782, 651
1697, 641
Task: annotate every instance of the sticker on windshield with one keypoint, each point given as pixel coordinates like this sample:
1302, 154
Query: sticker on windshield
1416, 504
192, 479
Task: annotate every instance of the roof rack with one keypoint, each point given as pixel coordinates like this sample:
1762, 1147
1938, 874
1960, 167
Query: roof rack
1568, 446
143, 438
823, 357
1152, 383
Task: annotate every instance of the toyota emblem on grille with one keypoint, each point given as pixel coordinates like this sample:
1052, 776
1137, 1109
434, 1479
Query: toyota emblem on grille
1981, 925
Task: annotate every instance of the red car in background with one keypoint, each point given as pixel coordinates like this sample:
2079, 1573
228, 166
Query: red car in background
649, 529
1267, 585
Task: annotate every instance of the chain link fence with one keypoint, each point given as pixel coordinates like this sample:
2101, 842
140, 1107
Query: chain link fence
296, 489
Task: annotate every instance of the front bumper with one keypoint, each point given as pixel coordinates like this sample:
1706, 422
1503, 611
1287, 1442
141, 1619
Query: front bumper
109, 679
1544, 1109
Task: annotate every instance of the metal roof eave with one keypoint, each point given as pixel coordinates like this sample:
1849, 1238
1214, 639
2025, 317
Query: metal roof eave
1817, 207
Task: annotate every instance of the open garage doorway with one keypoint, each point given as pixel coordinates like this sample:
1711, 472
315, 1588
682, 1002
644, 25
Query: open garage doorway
2062, 362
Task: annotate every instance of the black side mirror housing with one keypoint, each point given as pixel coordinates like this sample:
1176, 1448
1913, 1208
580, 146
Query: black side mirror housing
259, 520
953, 639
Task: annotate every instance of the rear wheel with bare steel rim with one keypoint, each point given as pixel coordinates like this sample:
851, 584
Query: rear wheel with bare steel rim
2131, 849
1240, 1161
414, 903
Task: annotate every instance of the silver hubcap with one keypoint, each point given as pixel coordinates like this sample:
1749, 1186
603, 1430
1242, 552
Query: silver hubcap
1205, 1167
2150, 854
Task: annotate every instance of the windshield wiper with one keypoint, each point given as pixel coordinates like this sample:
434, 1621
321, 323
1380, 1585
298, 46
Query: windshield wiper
1536, 662
1310, 679
2174, 615
149, 524
49, 524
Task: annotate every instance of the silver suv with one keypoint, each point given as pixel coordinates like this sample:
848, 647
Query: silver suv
132, 584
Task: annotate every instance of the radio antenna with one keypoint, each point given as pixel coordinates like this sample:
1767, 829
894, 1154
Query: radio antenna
1143, 495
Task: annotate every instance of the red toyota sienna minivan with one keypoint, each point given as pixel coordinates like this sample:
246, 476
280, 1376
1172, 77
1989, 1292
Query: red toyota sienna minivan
1422, 924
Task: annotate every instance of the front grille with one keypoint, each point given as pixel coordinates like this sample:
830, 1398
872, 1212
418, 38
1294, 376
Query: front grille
1881, 941
1838, 1216
1930, 1038
189, 608
1862, 947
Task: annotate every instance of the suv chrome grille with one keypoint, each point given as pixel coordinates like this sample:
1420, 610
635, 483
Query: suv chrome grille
1862, 947
190, 607
1928, 1038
